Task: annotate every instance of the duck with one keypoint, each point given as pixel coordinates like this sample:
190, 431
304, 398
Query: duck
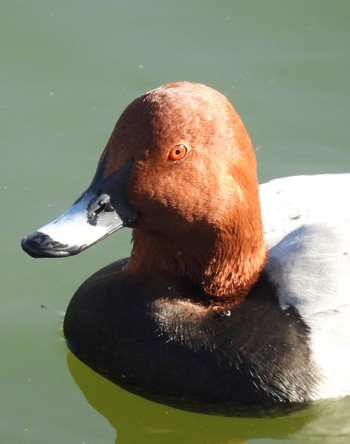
234, 294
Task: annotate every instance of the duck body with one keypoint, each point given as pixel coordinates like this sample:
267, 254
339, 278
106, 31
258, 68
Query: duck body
166, 341
233, 294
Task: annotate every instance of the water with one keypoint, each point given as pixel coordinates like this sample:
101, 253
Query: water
68, 69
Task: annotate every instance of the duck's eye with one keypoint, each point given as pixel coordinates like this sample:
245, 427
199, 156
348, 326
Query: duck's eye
177, 152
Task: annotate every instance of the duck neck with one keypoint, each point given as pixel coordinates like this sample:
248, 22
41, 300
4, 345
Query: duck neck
225, 262
240, 255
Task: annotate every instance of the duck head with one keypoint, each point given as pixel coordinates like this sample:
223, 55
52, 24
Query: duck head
179, 168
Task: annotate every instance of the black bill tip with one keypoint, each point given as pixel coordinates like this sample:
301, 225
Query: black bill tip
40, 244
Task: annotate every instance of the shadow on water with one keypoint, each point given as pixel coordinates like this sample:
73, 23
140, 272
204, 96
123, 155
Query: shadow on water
138, 420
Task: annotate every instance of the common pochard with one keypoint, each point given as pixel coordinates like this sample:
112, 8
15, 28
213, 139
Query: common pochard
221, 303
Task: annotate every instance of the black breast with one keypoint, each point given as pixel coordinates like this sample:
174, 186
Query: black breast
157, 341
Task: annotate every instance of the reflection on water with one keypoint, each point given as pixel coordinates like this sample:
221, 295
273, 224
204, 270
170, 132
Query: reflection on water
137, 420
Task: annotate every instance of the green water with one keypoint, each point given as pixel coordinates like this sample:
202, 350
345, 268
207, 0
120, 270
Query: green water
68, 68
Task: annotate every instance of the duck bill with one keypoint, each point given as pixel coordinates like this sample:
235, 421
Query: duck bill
101, 210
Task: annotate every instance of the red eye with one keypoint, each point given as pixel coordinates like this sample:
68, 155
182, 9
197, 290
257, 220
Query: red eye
177, 152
